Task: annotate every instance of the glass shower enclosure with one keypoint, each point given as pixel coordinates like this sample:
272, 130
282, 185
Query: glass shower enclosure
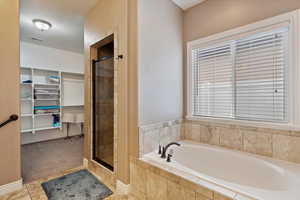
103, 106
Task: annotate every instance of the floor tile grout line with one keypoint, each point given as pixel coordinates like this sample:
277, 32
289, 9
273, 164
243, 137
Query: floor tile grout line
26, 187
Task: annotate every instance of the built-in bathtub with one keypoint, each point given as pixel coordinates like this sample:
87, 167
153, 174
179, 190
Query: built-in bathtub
232, 173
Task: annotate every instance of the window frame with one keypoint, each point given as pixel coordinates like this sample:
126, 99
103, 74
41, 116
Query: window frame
292, 20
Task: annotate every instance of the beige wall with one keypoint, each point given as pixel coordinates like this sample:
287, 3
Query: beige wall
9, 89
133, 78
160, 61
215, 16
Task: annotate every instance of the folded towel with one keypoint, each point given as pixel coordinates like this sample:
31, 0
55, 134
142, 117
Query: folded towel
45, 107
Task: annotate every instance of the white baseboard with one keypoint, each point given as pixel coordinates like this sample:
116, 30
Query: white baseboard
11, 187
122, 188
85, 163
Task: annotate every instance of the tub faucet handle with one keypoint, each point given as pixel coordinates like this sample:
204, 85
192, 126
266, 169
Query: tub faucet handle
169, 157
159, 149
171, 152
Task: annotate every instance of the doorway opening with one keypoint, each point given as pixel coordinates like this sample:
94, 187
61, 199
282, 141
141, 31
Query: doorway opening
103, 103
52, 86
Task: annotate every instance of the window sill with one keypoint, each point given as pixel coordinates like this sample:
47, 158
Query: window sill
256, 124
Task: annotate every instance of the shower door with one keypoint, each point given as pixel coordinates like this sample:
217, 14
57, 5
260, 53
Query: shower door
103, 107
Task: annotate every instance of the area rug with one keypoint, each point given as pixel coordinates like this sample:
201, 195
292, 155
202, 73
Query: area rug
81, 185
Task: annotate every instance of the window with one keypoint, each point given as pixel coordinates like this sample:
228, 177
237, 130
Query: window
213, 81
243, 78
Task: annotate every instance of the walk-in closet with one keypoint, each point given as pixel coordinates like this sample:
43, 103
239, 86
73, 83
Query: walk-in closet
51, 87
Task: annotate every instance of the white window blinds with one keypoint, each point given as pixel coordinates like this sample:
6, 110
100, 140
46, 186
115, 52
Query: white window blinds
243, 79
213, 75
260, 77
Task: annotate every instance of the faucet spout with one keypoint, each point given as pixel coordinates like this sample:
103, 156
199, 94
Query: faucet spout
163, 155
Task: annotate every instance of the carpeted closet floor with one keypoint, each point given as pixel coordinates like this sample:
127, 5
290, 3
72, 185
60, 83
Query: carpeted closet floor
44, 159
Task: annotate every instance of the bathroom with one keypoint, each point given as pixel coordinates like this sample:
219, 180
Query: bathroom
225, 93
203, 101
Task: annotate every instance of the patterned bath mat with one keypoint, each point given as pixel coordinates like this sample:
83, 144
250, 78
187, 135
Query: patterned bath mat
81, 185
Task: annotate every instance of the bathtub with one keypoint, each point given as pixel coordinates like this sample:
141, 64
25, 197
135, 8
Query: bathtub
235, 174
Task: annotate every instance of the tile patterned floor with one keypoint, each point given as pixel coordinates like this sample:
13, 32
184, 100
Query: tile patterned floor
34, 190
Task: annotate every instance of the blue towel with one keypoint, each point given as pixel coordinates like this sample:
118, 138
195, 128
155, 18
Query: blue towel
46, 107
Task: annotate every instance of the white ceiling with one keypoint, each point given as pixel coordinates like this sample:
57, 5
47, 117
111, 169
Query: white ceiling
186, 4
66, 17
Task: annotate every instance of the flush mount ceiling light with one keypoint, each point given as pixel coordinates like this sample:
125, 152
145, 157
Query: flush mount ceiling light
36, 39
42, 25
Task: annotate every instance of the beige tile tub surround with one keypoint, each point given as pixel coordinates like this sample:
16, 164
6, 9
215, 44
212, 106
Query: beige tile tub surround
192, 132
152, 183
160, 133
257, 142
231, 138
286, 148
278, 144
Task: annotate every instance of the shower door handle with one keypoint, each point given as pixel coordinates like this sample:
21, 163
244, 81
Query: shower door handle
11, 119
120, 57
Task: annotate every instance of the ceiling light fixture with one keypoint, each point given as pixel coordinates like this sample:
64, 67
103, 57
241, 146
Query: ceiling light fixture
42, 25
